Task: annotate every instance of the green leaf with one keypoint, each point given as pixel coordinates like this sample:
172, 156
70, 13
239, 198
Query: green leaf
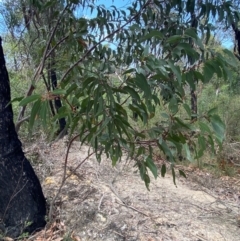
191, 32
153, 33
147, 181
232, 60
115, 153
71, 89
142, 170
163, 170
188, 152
43, 113
174, 175
132, 70
17, 99
34, 112
132, 92
218, 127
87, 81
188, 110
173, 106
59, 92
182, 173
216, 67
164, 147
212, 111
176, 70
150, 164
174, 39
208, 72
182, 124
102, 127
29, 99
204, 127
142, 83
165, 115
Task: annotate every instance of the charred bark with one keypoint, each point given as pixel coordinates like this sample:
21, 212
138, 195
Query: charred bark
57, 101
22, 204
237, 41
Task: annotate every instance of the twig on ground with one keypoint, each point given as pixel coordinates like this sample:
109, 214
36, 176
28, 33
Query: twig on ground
119, 234
100, 202
134, 209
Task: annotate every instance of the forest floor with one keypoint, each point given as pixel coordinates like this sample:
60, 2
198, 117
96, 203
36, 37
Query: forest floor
99, 202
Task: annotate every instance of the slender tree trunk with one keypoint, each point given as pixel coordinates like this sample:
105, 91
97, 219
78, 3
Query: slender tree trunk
57, 101
22, 204
237, 41
194, 103
135, 115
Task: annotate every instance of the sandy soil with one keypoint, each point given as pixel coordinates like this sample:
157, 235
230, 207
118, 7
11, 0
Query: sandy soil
99, 202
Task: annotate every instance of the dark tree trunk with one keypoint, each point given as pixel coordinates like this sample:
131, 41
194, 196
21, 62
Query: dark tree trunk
135, 114
194, 105
57, 101
237, 41
22, 204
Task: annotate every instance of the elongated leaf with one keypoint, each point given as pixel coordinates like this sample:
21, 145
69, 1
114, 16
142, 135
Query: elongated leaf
188, 152
232, 60
188, 110
212, 111
204, 127
175, 70
173, 106
101, 128
182, 173
174, 175
191, 32
150, 164
43, 113
29, 99
59, 92
218, 127
142, 83
132, 92
147, 181
153, 33
208, 72
163, 170
174, 39
17, 99
34, 112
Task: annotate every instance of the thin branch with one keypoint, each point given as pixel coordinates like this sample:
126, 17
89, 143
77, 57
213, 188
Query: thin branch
65, 177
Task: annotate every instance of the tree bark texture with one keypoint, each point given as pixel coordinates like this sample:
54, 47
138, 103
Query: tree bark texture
194, 103
57, 101
22, 204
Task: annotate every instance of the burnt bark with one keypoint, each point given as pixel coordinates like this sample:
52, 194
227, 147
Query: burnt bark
57, 101
237, 41
22, 204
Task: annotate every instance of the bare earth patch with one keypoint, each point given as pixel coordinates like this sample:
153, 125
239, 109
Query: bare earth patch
99, 202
